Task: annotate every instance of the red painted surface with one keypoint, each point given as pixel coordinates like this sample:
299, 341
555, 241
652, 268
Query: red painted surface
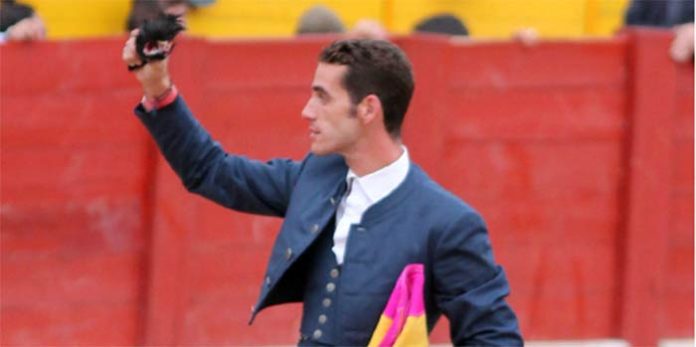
658, 261
578, 154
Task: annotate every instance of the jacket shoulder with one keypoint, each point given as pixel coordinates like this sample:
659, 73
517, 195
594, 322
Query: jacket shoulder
441, 199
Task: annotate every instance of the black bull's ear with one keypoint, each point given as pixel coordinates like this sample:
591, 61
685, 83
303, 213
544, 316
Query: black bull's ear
155, 39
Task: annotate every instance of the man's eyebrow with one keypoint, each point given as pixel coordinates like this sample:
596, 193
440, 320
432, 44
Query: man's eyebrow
319, 89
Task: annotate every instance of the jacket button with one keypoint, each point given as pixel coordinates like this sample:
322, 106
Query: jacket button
288, 254
333, 201
317, 334
268, 280
334, 273
326, 302
315, 228
322, 319
361, 229
330, 287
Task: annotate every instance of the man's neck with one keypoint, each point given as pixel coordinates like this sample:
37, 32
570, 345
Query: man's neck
367, 158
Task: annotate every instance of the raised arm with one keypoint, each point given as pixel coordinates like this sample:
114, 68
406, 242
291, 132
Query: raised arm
203, 166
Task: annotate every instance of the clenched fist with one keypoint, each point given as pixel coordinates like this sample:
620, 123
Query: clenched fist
153, 76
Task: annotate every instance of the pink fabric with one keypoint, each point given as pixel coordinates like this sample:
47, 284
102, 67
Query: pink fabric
406, 300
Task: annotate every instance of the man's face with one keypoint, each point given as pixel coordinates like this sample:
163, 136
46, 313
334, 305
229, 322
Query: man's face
333, 125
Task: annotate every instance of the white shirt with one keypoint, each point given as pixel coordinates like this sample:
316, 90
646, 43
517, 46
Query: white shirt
363, 192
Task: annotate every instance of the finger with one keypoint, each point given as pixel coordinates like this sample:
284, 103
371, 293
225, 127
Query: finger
130, 45
129, 55
131, 59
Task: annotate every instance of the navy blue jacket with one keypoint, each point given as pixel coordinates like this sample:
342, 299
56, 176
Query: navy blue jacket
419, 222
660, 13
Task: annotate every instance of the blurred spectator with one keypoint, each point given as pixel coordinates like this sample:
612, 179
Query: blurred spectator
660, 13
19, 22
527, 36
143, 10
447, 24
368, 29
320, 19
676, 14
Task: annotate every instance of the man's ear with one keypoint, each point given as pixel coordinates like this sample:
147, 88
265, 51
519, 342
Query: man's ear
370, 109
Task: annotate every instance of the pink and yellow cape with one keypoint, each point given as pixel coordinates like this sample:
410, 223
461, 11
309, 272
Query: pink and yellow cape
403, 321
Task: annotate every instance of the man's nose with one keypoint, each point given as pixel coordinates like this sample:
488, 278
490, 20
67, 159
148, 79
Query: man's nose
307, 112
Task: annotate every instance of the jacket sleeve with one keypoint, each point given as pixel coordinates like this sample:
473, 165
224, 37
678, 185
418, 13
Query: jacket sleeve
206, 169
470, 289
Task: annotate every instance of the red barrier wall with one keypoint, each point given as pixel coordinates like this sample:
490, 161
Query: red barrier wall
74, 214
579, 155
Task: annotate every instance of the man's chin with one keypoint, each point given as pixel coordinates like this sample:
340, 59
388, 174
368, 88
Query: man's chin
320, 151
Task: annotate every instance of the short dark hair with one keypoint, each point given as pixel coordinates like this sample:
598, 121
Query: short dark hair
375, 67
11, 13
447, 24
141, 11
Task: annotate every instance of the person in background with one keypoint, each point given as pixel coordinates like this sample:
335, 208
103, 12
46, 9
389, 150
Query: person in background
143, 10
449, 24
19, 22
320, 19
368, 29
675, 14
442, 24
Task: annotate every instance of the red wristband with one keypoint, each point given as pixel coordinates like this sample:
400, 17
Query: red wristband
161, 101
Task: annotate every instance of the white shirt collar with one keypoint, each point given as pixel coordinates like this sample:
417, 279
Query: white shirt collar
380, 183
